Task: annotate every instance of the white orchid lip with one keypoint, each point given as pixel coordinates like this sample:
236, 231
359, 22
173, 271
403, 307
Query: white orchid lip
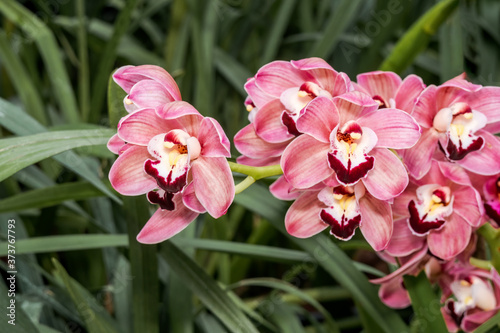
173, 152
460, 123
343, 213
434, 204
350, 147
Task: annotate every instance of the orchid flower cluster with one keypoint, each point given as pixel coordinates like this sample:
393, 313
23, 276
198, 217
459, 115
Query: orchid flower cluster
416, 168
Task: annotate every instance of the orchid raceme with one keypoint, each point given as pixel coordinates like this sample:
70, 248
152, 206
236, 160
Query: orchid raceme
178, 158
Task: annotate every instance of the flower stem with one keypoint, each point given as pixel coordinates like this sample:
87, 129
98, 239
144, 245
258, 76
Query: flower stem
492, 237
240, 187
256, 172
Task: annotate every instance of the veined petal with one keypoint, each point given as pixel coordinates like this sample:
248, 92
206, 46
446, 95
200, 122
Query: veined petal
250, 144
148, 94
213, 184
394, 128
278, 76
176, 109
407, 266
403, 242
425, 107
353, 105
257, 96
394, 295
213, 140
418, 158
381, 84
245, 160
165, 224
125, 80
376, 224
329, 79
319, 119
468, 205
388, 178
139, 127
115, 144
304, 162
487, 160
487, 101
268, 124
302, 219
282, 190
408, 92
127, 174
190, 200
450, 240
158, 74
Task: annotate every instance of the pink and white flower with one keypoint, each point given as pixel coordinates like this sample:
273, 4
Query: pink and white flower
439, 211
177, 157
458, 120
346, 140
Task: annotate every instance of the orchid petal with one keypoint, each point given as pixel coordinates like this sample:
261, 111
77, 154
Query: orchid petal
268, 124
302, 219
329, 79
213, 183
451, 239
115, 144
353, 105
213, 140
319, 119
155, 73
376, 221
245, 160
127, 174
408, 92
190, 200
468, 204
487, 101
257, 96
277, 76
250, 144
176, 109
425, 107
148, 94
418, 158
403, 242
282, 190
487, 160
139, 127
394, 295
379, 83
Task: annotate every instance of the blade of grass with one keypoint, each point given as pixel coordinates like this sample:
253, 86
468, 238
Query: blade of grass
25, 88
206, 289
35, 29
417, 37
451, 55
234, 72
344, 14
18, 152
20, 322
83, 61
108, 57
116, 110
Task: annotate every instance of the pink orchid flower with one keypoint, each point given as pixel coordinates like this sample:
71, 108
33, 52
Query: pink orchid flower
439, 211
458, 119
177, 157
491, 191
277, 96
472, 298
345, 140
389, 90
342, 209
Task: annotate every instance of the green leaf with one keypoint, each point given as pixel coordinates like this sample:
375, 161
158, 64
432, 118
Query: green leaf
418, 36
65, 243
143, 267
232, 70
451, 54
49, 196
35, 29
206, 289
96, 318
116, 110
425, 303
19, 152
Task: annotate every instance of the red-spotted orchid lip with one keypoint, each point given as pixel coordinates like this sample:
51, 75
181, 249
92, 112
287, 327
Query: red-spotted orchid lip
460, 122
434, 204
343, 213
173, 152
350, 147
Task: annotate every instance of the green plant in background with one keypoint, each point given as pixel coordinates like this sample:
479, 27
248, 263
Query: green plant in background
79, 267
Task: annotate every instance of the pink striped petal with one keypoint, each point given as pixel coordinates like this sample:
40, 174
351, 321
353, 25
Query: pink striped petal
408, 92
250, 144
376, 221
245, 160
473, 321
468, 205
449, 94
126, 82
453, 172
460, 81
451, 239
487, 160
148, 94
213, 183
268, 123
407, 267
394, 128
425, 108
277, 76
388, 178
353, 105
319, 119
127, 174
115, 144
418, 158
141, 126
258, 97
302, 219
403, 242
381, 84
282, 190
158, 74
213, 140
190, 200
493, 128
394, 295
176, 109
329, 79
165, 223
487, 101
305, 162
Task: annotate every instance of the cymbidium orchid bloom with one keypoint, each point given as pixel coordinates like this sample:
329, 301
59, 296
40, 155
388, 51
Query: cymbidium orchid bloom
277, 96
178, 158
458, 120
345, 140
389, 90
439, 210
342, 209
471, 299
491, 191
